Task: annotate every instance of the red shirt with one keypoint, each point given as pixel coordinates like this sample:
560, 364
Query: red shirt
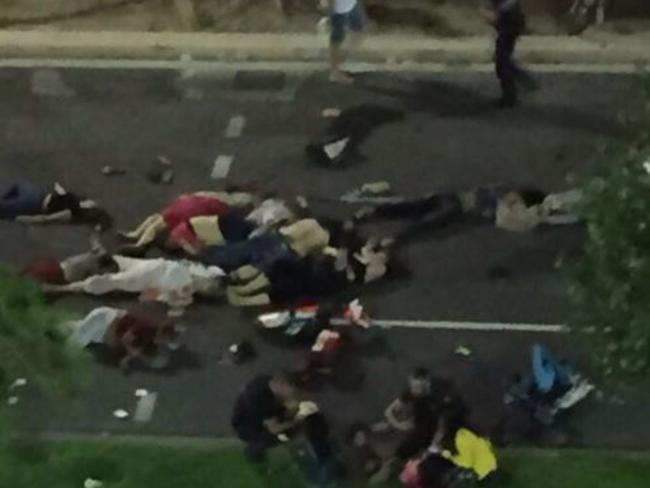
190, 205
143, 331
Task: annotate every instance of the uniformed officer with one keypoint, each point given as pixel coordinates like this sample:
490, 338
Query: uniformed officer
508, 19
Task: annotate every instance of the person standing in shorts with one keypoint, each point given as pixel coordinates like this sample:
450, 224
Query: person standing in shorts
345, 16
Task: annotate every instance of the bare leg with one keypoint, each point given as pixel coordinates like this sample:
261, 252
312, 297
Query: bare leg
147, 237
336, 59
77, 287
137, 233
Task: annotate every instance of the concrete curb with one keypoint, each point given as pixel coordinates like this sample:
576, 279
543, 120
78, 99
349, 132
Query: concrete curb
132, 439
227, 442
306, 47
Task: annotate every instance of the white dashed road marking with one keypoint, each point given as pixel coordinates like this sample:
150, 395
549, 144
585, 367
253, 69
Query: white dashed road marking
222, 166
235, 127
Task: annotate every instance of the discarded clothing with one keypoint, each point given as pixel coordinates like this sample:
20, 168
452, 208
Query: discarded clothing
93, 328
270, 212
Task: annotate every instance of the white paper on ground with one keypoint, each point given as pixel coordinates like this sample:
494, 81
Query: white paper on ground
120, 414
140, 392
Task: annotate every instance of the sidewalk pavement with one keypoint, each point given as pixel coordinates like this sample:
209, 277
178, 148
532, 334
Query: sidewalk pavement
600, 49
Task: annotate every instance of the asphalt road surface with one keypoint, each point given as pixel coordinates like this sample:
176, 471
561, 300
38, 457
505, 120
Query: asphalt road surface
65, 124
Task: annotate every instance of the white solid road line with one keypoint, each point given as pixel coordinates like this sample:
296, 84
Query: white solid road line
197, 68
467, 326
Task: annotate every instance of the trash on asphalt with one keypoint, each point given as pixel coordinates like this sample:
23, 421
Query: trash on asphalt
120, 414
161, 171
331, 112
463, 351
19, 382
368, 192
273, 320
141, 392
331, 152
92, 483
111, 171
239, 353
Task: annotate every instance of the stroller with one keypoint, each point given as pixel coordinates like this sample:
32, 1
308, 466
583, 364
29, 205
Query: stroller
553, 387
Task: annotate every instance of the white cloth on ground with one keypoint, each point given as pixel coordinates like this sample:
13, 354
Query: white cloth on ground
93, 327
270, 212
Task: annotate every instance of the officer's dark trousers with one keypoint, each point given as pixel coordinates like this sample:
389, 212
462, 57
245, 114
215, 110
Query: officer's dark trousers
509, 28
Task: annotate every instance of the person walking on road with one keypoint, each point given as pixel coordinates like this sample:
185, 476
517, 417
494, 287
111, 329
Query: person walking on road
509, 21
345, 15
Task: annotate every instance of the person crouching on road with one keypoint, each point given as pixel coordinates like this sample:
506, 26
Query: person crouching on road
265, 411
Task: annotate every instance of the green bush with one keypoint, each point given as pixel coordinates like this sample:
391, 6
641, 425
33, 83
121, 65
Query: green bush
612, 282
32, 342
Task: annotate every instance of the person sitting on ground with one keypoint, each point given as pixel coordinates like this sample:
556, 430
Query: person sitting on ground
180, 210
400, 413
509, 208
427, 404
171, 282
142, 336
265, 412
31, 204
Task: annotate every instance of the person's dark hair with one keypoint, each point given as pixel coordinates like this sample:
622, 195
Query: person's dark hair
420, 373
532, 196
